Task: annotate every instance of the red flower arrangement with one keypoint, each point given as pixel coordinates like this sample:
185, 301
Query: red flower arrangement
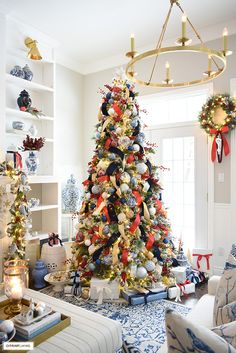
30, 144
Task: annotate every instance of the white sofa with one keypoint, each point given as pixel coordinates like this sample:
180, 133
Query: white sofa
202, 313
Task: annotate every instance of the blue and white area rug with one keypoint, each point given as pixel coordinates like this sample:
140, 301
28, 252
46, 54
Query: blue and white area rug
143, 325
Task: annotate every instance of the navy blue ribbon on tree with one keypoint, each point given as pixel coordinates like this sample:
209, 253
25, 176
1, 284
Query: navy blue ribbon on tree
143, 234
112, 168
112, 213
148, 163
104, 109
109, 243
117, 151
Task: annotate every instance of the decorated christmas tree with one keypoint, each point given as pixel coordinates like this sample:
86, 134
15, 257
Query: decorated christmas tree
123, 230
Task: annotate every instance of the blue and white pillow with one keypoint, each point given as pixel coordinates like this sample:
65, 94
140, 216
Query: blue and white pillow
227, 332
226, 292
129, 348
184, 336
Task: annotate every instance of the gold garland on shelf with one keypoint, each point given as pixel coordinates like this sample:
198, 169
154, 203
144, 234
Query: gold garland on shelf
19, 209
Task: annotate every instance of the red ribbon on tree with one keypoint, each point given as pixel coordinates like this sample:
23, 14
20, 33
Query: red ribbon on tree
200, 256
159, 205
135, 224
105, 210
219, 144
117, 109
107, 143
150, 241
130, 159
103, 178
138, 197
124, 256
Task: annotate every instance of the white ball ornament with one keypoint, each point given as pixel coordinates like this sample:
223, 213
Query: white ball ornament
102, 164
124, 187
141, 272
127, 112
149, 265
7, 326
141, 168
87, 242
111, 112
105, 195
121, 217
136, 147
124, 141
125, 177
96, 189
119, 131
91, 249
152, 211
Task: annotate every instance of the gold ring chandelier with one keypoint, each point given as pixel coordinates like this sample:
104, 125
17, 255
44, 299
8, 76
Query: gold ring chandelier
182, 45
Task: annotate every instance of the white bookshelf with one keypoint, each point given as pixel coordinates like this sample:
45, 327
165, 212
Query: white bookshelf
45, 186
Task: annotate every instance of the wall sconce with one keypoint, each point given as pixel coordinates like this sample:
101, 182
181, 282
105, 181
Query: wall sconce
34, 53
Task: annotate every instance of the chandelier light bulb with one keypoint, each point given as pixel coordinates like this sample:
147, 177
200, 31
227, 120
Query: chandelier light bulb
184, 19
167, 71
132, 42
209, 63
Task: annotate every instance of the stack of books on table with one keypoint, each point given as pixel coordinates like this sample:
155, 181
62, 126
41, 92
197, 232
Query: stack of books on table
28, 332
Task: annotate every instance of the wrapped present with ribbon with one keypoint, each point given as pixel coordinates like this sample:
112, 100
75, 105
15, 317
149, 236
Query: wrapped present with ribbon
103, 289
180, 273
15, 158
134, 297
181, 289
196, 276
201, 259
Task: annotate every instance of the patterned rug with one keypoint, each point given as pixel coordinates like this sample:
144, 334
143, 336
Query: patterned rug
143, 325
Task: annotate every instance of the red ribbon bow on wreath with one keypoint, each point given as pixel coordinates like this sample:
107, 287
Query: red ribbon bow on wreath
219, 144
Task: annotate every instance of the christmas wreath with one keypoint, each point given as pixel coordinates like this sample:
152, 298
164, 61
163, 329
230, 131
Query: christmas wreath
217, 117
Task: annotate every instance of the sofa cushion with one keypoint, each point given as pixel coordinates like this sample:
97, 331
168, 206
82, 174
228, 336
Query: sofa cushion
186, 336
203, 306
226, 292
227, 331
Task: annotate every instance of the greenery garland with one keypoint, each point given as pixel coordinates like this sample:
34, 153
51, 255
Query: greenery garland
18, 210
206, 116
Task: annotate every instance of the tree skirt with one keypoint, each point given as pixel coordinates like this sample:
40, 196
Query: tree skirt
143, 325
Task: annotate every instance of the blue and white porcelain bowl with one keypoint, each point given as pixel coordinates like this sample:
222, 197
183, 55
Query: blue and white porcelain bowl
18, 125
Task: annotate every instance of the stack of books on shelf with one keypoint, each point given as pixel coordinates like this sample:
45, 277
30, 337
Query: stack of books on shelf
27, 332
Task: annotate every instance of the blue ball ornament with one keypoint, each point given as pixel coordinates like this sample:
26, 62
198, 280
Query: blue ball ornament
165, 241
134, 181
98, 135
131, 202
134, 123
92, 206
123, 200
112, 156
111, 101
111, 190
108, 95
112, 128
130, 148
106, 230
98, 261
104, 218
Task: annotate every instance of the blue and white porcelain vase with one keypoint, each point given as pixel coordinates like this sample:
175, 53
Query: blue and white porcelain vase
17, 71
28, 74
38, 273
32, 162
71, 196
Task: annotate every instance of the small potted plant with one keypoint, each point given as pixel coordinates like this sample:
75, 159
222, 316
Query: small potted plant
33, 145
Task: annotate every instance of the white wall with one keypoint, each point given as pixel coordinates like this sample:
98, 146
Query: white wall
69, 123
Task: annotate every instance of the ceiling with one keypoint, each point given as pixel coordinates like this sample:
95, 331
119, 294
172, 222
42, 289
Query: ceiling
94, 34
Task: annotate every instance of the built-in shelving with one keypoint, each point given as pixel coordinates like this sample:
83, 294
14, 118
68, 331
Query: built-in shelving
30, 85
25, 115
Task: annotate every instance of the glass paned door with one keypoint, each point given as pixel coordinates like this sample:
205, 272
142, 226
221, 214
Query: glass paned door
183, 150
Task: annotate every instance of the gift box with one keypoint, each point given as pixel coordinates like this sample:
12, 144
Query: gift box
180, 273
196, 276
103, 289
180, 290
202, 260
133, 297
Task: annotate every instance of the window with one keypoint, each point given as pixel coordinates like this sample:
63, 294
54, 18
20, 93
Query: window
181, 106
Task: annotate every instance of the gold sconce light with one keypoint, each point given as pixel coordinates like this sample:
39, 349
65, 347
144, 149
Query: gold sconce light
33, 53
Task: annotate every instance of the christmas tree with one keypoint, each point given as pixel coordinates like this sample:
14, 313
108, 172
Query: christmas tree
123, 230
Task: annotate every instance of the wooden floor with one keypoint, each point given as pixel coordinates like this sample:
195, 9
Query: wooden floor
193, 298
